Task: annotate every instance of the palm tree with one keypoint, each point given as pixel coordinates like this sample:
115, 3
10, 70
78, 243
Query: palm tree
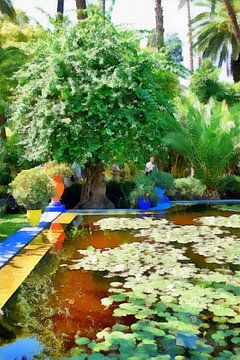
232, 8
215, 37
6, 8
190, 37
159, 24
104, 6
205, 135
81, 5
60, 7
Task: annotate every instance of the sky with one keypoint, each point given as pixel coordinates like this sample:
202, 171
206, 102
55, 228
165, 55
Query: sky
137, 14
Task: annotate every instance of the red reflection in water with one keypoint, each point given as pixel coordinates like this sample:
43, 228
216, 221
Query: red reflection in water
187, 218
56, 235
78, 293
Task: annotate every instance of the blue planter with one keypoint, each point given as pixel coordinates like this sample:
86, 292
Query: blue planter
144, 204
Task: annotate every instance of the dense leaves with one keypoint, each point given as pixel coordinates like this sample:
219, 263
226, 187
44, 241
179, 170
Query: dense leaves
90, 93
207, 135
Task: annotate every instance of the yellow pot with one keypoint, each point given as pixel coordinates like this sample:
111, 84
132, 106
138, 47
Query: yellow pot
33, 217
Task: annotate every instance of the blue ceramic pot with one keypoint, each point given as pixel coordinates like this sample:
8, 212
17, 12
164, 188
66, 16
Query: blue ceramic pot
144, 203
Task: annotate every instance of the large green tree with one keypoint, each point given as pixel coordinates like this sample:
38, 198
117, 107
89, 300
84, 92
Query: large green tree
90, 93
13, 37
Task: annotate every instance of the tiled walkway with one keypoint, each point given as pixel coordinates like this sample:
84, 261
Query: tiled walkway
14, 243
20, 253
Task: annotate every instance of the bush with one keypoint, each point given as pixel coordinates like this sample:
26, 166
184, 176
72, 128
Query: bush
188, 188
205, 82
5, 176
145, 187
57, 169
32, 189
144, 191
162, 179
229, 187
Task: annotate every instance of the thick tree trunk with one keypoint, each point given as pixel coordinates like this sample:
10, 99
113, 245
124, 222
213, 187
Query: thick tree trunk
81, 5
235, 67
159, 24
233, 18
190, 36
93, 195
60, 7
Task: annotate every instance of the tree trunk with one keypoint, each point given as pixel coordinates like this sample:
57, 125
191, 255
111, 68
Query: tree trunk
235, 67
60, 7
3, 135
190, 37
93, 195
159, 24
104, 6
81, 5
233, 18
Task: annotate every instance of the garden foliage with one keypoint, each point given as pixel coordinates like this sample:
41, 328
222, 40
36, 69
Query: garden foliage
90, 93
188, 188
207, 135
32, 189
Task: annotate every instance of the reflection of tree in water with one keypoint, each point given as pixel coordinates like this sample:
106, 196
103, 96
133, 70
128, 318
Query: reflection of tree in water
28, 312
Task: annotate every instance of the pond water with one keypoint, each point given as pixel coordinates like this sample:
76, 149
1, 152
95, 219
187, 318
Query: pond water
56, 304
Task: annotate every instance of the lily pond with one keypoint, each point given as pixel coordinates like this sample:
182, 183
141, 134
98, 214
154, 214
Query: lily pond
163, 286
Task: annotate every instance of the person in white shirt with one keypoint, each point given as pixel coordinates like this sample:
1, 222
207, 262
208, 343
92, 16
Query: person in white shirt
150, 166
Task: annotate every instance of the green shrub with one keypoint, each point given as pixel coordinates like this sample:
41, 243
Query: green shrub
162, 179
144, 191
32, 188
229, 187
188, 188
143, 188
205, 82
5, 176
57, 169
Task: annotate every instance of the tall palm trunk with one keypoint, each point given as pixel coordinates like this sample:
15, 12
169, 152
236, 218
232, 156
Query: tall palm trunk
6, 8
60, 7
159, 24
235, 67
104, 6
81, 5
3, 120
190, 36
233, 18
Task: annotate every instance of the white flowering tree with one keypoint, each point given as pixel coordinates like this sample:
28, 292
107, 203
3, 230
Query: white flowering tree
88, 94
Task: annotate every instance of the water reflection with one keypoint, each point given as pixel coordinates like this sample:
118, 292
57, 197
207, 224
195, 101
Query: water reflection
56, 235
21, 349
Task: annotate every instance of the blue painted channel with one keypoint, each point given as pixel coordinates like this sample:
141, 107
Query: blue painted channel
17, 241
176, 202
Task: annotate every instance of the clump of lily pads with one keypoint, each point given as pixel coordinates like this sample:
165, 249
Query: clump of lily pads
182, 311
232, 221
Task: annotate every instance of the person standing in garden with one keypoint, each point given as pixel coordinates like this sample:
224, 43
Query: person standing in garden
150, 166
116, 171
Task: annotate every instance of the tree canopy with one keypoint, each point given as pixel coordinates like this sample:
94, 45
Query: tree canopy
89, 92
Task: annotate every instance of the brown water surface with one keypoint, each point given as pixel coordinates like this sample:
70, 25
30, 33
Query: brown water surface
73, 297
